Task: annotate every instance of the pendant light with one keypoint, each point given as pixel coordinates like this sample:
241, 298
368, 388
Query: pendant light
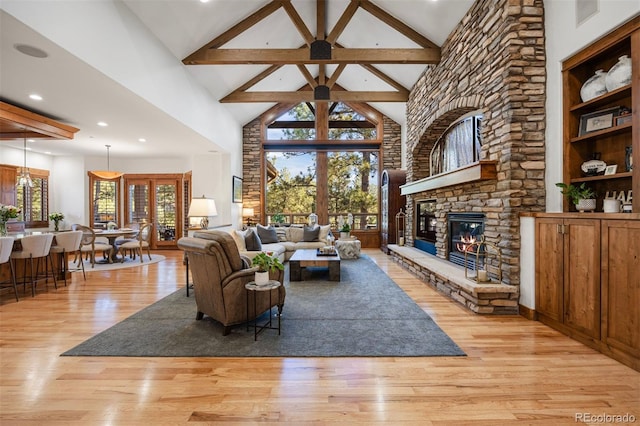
24, 178
106, 174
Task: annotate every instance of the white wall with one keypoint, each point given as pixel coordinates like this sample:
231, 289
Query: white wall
563, 39
106, 34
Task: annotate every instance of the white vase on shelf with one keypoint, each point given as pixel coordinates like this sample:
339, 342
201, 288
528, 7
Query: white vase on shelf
620, 74
594, 87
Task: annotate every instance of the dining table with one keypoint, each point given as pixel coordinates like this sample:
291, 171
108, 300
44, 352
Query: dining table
112, 235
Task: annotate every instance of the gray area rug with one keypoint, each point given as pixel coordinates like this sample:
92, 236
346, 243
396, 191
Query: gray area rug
366, 314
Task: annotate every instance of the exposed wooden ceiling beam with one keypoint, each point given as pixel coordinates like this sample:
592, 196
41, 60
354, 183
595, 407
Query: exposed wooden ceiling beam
14, 121
384, 77
307, 75
303, 56
255, 80
397, 24
298, 22
307, 96
343, 21
321, 19
336, 74
237, 29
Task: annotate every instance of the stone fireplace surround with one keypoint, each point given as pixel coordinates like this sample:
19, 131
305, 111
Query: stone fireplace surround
494, 62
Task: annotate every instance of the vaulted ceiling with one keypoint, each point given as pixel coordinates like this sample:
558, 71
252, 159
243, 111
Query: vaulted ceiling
249, 54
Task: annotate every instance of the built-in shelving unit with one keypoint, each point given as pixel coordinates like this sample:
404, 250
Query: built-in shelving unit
611, 144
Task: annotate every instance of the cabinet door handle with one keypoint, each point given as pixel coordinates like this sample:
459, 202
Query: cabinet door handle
561, 228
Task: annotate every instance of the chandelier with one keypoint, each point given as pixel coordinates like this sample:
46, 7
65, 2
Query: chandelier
107, 174
24, 178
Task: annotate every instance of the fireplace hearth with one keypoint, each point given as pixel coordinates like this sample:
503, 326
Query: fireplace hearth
465, 231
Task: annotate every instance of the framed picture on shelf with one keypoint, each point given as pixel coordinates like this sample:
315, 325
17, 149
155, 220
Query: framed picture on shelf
236, 190
598, 120
623, 119
611, 170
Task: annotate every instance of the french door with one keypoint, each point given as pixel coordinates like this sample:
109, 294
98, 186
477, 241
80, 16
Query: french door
156, 199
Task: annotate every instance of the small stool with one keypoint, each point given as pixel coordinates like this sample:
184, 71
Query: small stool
348, 249
252, 287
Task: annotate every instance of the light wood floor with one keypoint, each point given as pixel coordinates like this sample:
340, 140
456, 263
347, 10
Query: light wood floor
516, 371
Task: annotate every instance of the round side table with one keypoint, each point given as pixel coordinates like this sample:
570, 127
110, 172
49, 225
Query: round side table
251, 288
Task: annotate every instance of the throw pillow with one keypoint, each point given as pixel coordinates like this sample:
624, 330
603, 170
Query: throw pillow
282, 234
324, 232
238, 237
267, 234
310, 234
295, 234
251, 241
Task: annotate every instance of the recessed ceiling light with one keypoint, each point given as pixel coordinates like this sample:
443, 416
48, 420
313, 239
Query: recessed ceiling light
204, 1
31, 140
142, 140
30, 50
102, 124
35, 97
48, 152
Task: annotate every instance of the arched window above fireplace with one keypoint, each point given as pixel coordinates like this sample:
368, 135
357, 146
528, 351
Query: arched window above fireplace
458, 146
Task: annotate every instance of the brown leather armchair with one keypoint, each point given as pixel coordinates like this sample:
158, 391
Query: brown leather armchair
219, 275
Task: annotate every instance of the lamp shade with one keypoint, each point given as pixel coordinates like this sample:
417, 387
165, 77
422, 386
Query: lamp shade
202, 207
247, 212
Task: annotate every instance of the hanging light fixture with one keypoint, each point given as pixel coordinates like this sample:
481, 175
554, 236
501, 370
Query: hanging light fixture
24, 178
107, 174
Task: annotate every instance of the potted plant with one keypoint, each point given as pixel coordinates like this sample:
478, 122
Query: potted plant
583, 197
278, 218
344, 226
7, 212
56, 218
266, 262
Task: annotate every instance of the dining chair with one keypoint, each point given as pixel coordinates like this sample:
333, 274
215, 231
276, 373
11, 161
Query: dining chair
121, 240
35, 247
142, 241
6, 246
68, 242
90, 246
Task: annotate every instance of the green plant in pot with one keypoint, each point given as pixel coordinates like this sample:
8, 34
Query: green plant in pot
266, 262
278, 218
583, 197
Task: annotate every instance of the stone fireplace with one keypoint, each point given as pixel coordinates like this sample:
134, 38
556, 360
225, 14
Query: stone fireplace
493, 63
465, 230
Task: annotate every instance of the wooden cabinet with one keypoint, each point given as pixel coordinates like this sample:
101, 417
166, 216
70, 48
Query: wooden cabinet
613, 140
390, 204
568, 274
588, 280
621, 286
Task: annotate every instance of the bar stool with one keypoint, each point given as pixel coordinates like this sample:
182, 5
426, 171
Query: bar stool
35, 247
6, 246
68, 242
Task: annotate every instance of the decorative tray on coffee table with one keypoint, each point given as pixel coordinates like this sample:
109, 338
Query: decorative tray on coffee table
326, 251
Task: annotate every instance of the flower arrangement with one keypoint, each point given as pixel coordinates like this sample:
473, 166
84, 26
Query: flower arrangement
267, 262
345, 226
56, 217
8, 212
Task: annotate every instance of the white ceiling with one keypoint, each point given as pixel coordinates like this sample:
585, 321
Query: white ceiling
78, 94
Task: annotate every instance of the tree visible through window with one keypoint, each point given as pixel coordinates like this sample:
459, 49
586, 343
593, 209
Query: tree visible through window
351, 172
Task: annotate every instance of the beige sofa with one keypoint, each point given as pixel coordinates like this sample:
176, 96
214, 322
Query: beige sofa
290, 239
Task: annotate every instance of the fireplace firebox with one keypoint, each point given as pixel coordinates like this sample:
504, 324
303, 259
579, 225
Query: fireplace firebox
465, 230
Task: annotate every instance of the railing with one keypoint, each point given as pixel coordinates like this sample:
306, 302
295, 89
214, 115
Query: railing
361, 221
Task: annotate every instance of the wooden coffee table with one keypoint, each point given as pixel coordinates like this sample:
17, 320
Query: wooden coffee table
302, 259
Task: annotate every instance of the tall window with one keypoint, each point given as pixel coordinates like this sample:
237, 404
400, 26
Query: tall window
33, 201
104, 200
353, 187
323, 158
458, 146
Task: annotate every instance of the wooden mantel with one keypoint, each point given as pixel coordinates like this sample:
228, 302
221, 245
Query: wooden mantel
15, 120
482, 170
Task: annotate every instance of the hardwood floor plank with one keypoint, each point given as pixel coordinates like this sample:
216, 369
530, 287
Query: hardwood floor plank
516, 370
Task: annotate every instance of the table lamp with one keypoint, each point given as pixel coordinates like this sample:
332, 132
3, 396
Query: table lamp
203, 208
248, 213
